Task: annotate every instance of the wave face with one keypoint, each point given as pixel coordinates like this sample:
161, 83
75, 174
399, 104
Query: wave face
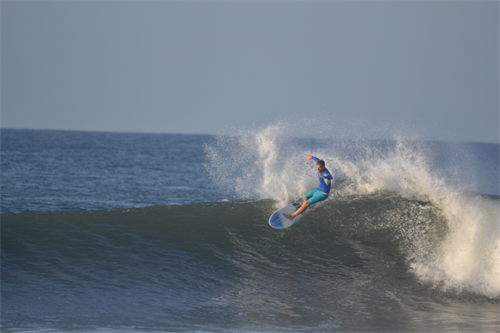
346, 265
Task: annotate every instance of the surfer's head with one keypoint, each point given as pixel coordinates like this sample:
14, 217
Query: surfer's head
320, 165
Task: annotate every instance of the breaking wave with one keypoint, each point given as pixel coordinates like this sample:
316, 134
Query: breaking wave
453, 243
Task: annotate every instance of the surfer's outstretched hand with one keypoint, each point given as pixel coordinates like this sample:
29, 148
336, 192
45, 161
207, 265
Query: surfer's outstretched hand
288, 216
308, 156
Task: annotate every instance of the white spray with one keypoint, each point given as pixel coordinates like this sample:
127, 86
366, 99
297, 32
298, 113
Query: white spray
269, 163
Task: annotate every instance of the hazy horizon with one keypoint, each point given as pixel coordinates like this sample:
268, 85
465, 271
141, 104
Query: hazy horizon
429, 69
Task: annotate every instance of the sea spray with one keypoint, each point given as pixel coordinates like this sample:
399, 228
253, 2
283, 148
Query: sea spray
467, 257
259, 164
455, 247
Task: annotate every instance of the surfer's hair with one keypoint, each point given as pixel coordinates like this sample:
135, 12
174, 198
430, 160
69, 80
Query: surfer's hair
321, 162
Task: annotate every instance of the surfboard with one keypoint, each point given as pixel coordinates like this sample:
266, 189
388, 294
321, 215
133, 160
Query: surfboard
278, 221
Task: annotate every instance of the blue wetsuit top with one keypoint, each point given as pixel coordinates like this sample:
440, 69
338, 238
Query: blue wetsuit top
324, 184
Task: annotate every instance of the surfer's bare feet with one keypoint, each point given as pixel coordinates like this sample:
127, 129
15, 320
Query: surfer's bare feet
288, 216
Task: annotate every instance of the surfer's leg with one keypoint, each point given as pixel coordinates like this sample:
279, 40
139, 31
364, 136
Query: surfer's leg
302, 208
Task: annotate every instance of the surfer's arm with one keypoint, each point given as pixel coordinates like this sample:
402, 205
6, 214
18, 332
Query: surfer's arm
327, 176
310, 157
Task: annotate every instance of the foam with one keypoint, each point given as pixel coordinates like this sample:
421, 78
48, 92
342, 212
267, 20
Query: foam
469, 256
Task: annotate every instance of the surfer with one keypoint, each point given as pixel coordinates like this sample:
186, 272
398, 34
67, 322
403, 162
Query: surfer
319, 193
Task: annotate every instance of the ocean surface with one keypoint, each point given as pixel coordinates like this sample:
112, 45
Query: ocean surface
121, 232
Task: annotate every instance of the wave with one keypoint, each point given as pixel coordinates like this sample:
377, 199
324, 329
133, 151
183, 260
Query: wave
221, 264
227, 235
457, 249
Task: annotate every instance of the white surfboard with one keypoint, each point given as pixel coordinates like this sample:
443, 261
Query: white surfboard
278, 221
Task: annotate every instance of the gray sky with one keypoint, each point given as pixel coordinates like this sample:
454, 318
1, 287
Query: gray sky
195, 67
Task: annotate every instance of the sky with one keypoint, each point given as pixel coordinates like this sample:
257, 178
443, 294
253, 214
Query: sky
204, 67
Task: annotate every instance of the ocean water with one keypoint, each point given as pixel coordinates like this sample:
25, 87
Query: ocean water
126, 232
